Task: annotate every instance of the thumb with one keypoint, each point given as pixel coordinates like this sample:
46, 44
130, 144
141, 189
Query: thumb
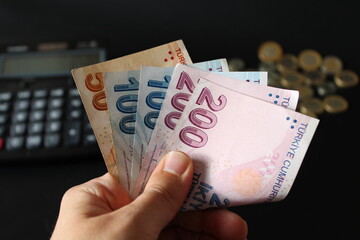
165, 191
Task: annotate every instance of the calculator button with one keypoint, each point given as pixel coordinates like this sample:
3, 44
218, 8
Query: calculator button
33, 141
38, 103
41, 93
56, 103
20, 117
74, 114
73, 92
17, 129
89, 139
14, 143
24, 94
21, 105
72, 133
53, 126
37, 115
3, 118
54, 114
75, 103
4, 107
58, 92
35, 128
5, 96
52, 140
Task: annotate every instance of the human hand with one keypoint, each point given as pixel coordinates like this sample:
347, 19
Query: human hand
101, 209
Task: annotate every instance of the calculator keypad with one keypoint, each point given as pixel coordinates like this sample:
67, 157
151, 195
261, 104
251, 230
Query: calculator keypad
37, 119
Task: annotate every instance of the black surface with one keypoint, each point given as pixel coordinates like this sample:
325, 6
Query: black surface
321, 204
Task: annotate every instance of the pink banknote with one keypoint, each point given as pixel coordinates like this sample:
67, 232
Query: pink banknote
244, 150
182, 85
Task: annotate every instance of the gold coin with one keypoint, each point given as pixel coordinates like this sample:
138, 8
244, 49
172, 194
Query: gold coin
270, 51
312, 105
287, 62
346, 78
311, 114
291, 79
268, 67
310, 60
331, 65
305, 91
335, 104
315, 78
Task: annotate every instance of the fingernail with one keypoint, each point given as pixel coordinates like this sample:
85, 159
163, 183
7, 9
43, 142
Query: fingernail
176, 163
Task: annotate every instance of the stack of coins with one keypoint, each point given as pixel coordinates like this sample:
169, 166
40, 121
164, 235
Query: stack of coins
317, 78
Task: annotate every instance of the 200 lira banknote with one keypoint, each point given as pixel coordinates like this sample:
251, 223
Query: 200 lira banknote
245, 150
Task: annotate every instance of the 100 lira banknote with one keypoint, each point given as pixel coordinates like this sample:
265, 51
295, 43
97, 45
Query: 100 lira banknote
121, 90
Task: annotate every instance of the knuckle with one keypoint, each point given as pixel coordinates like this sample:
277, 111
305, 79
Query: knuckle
75, 191
71, 192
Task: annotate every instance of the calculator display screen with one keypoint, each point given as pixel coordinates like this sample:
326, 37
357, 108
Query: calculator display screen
42, 63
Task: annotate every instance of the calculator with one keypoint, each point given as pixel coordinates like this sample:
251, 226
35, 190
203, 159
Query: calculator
41, 113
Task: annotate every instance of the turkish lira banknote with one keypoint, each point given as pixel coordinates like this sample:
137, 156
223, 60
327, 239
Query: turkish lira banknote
121, 90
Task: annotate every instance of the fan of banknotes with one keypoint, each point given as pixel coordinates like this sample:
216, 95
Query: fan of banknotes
245, 138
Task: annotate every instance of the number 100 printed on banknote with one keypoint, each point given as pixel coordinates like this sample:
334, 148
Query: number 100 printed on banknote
121, 94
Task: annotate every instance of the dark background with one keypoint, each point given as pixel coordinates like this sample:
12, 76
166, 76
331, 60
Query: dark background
321, 204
